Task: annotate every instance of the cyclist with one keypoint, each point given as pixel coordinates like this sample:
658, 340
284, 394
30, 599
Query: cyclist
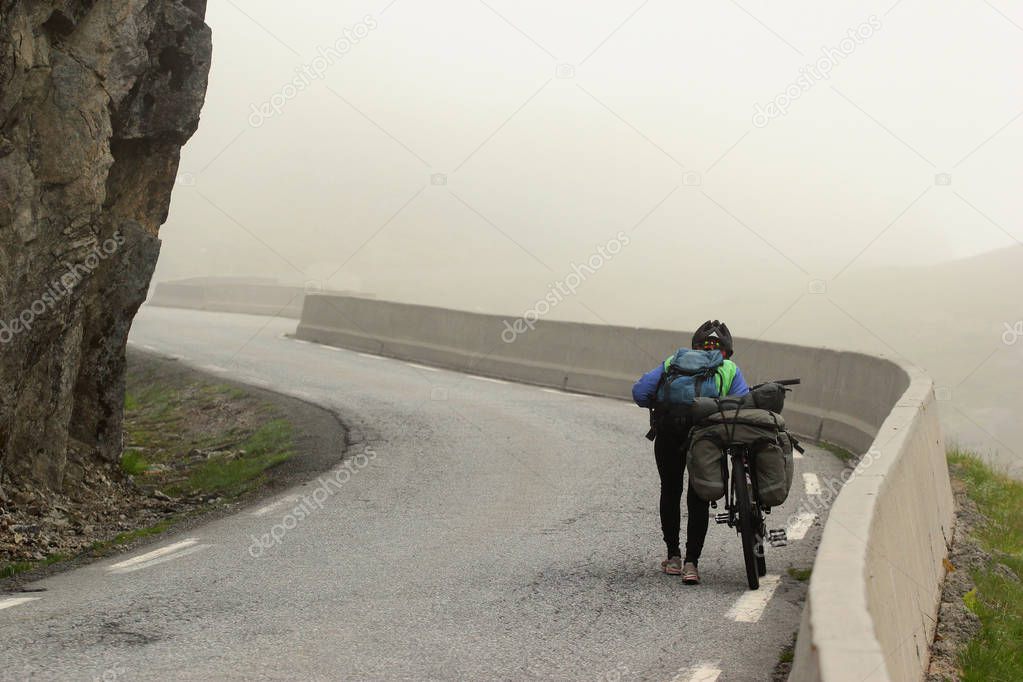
670, 439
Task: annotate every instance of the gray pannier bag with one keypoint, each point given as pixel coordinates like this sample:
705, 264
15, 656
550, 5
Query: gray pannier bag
769, 443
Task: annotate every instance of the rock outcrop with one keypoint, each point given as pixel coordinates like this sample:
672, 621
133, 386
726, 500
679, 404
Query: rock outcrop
96, 99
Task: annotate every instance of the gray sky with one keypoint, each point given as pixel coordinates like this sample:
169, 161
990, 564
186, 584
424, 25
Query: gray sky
748, 161
652, 133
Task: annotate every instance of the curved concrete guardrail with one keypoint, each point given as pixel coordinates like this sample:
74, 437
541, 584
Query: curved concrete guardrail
253, 296
876, 583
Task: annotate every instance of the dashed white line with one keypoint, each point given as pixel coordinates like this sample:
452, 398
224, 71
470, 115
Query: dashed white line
750, 606
800, 525
374, 357
15, 601
493, 381
812, 484
428, 369
159, 560
557, 392
701, 673
129, 564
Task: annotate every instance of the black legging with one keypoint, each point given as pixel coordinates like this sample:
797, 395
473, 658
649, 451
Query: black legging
670, 465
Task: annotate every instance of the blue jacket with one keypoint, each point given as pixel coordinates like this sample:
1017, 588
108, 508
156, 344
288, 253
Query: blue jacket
644, 391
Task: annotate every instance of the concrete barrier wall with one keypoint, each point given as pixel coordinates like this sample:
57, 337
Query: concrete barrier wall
231, 297
877, 579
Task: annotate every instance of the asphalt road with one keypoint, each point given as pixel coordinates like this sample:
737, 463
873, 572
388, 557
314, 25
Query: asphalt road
480, 530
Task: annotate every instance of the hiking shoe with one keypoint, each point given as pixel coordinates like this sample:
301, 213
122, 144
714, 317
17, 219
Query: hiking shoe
672, 565
690, 576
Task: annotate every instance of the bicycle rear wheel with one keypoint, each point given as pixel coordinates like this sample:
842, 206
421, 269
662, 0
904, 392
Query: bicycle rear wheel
748, 524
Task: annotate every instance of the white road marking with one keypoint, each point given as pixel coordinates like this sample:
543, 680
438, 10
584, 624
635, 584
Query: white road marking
159, 560
428, 369
8, 603
374, 357
335, 349
557, 392
213, 368
701, 673
750, 606
812, 484
155, 554
800, 525
255, 380
302, 341
152, 348
263, 511
493, 381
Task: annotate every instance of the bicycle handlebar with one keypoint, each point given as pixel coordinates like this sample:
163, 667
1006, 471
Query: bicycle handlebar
780, 382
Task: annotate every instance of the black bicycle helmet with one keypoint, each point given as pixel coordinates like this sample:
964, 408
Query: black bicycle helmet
714, 330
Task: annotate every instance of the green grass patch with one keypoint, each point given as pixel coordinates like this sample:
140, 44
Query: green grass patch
997, 652
13, 568
131, 536
169, 419
800, 574
270, 445
838, 451
133, 463
267, 447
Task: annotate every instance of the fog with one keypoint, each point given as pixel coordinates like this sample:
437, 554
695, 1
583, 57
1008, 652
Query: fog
844, 175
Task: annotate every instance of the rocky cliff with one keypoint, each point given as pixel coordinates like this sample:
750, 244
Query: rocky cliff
96, 99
